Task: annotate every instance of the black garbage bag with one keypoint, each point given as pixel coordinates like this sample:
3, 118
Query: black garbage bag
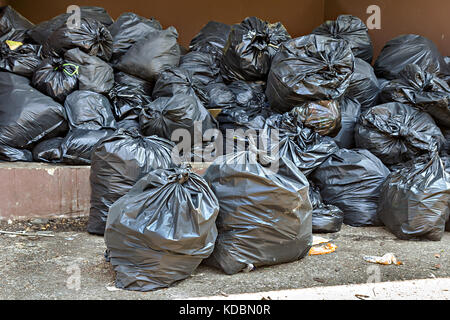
56, 78
48, 150
165, 115
350, 113
128, 29
396, 132
26, 116
89, 110
250, 48
312, 67
211, 39
219, 96
323, 116
407, 49
415, 201
161, 230
127, 101
265, 214
91, 37
248, 94
129, 124
304, 147
421, 89
117, 163
325, 218
147, 58
364, 86
10, 154
179, 81
351, 29
77, 146
41, 32
132, 81
203, 67
94, 73
21, 59
351, 180
13, 26
446, 146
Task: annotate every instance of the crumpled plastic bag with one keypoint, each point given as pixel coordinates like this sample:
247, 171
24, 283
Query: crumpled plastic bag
18, 58
128, 100
203, 67
211, 39
48, 150
350, 112
13, 26
325, 218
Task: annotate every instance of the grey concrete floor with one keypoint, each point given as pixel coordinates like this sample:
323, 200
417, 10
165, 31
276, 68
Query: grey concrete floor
71, 265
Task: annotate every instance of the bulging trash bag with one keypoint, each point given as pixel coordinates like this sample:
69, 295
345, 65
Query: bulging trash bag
351, 29
219, 96
89, 110
117, 163
351, 180
250, 48
13, 26
94, 73
129, 124
128, 29
396, 132
132, 81
265, 214
150, 56
26, 115
10, 154
364, 86
304, 147
127, 101
325, 218
179, 81
211, 39
77, 146
90, 36
48, 150
407, 49
56, 78
421, 89
203, 67
415, 201
324, 116
41, 32
165, 115
350, 113
446, 146
308, 68
18, 58
161, 230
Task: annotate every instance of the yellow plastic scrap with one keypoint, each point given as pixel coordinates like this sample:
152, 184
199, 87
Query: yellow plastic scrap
13, 45
324, 249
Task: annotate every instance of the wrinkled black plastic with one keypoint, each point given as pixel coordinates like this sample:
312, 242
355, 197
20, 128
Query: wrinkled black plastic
415, 201
23, 60
364, 86
324, 116
161, 230
350, 113
94, 73
265, 215
407, 49
90, 36
420, 89
150, 56
325, 218
77, 146
396, 132
219, 96
250, 48
446, 146
89, 110
128, 29
211, 39
48, 150
312, 67
203, 67
351, 29
127, 100
26, 115
117, 163
351, 180
128, 80
56, 78
10, 154
13, 26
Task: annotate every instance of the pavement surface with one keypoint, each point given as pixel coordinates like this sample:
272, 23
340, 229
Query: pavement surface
70, 265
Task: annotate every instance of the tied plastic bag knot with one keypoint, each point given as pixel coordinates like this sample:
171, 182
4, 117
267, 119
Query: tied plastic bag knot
69, 68
181, 176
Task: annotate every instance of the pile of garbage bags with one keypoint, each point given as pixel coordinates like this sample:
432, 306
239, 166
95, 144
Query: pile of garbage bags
302, 135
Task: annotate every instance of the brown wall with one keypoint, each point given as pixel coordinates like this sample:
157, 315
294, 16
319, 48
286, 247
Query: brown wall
188, 16
430, 18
